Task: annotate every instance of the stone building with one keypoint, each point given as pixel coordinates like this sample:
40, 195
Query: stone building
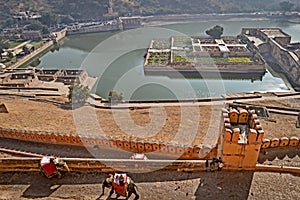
276, 48
203, 56
241, 138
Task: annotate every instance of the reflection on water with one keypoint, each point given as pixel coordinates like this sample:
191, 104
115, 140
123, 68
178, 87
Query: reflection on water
126, 73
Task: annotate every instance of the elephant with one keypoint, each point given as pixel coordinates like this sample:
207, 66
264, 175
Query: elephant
121, 186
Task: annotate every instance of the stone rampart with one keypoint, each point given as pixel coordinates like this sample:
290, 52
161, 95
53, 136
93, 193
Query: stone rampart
241, 136
287, 60
280, 142
135, 146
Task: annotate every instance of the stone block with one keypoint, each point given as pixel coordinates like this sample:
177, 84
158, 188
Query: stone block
196, 149
120, 144
294, 141
226, 120
275, 142
188, 150
236, 135
284, 141
243, 116
134, 146
126, 145
260, 136
113, 142
163, 148
252, 136
155, 146
234, 116
141, 147
148, 147
171, 149
265, 143
258, 127
228, 135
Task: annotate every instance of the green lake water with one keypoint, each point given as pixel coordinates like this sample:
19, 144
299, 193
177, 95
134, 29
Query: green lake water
116, 58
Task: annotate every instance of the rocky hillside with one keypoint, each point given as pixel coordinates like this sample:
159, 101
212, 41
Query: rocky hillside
91, 9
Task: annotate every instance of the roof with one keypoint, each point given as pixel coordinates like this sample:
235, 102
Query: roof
274, 33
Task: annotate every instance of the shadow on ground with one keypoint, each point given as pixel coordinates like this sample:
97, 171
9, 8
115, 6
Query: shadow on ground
213, 185
279, 152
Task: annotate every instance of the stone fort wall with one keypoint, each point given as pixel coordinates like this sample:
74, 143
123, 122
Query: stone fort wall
135, 146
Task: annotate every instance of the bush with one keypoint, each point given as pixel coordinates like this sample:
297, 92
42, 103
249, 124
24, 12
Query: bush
78, 93
115, 96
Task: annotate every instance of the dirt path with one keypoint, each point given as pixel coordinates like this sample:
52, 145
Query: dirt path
155, 185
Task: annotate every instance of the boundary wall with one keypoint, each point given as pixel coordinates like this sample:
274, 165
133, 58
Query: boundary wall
280, 142
135, 146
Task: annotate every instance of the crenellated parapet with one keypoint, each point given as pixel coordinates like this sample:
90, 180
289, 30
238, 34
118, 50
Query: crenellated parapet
242, 136
280, 142
106, 142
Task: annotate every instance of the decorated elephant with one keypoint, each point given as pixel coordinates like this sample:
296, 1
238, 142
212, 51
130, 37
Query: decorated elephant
121, 184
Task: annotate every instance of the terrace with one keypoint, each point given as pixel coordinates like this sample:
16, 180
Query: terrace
207, 41
160, 44
158, 58
182, 43
227, 55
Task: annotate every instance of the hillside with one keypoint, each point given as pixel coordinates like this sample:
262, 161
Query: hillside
94, 9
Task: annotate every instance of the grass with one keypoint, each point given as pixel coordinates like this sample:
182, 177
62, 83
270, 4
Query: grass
161, 58
8, 63
181, 59
37, 44
13, 44
239, 59
160, 44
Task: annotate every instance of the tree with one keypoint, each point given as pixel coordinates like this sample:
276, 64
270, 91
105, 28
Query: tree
286, 6
66, 19
78, 93
3, 45
215, 32
115, 96
49, 19
35, 25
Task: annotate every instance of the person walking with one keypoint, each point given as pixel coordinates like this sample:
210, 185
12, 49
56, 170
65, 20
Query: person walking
212, 166
220, 166
207, 165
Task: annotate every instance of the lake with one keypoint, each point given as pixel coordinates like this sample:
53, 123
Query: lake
117, 59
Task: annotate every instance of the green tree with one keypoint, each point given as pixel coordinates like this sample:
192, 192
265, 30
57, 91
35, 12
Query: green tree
45, 29
78, 93
286, 6
66, 19
35, 25
49, 19
115, 96
215, 32
3, 45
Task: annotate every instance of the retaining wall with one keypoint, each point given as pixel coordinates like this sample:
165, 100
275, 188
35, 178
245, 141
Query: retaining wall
280, 142
136, 146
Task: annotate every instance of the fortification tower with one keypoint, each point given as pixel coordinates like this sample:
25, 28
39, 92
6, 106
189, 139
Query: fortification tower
241, 138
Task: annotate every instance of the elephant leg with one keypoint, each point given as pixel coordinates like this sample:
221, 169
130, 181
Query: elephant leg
129, 195
111, 192
103, 188
136, 195
133, 191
